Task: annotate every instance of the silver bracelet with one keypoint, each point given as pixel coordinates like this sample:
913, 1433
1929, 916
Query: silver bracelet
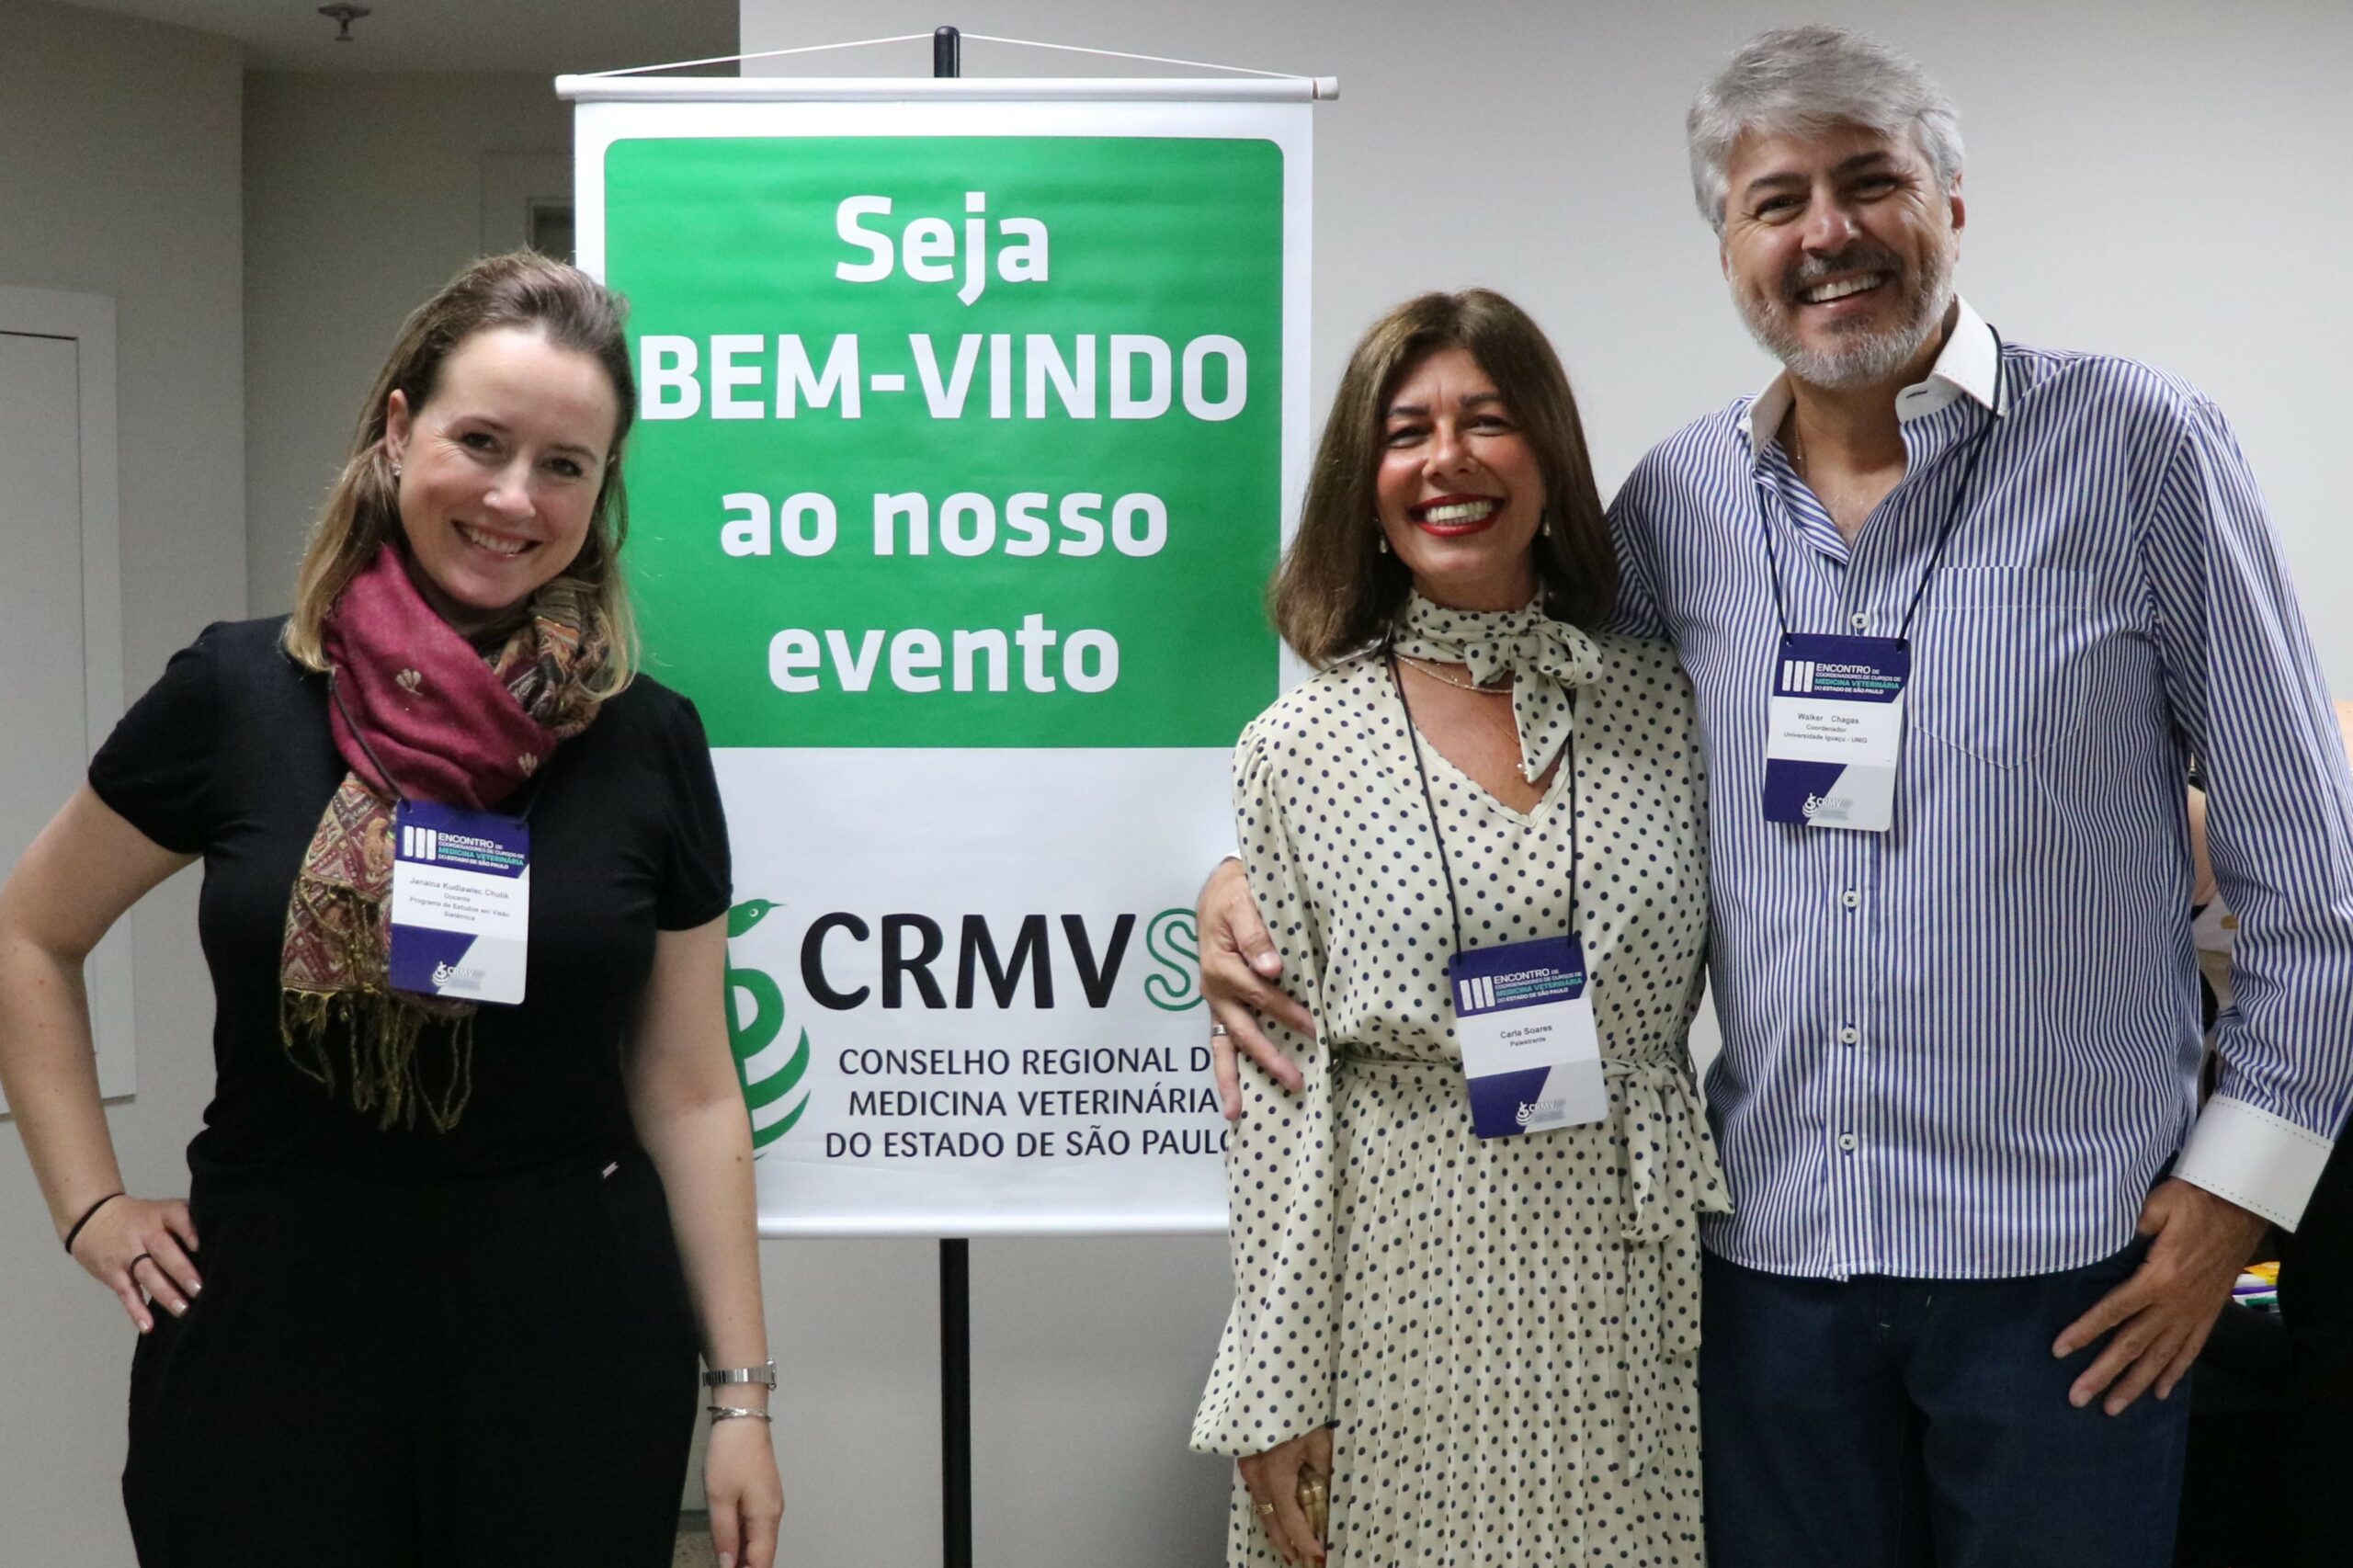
764, 1375
738, 1412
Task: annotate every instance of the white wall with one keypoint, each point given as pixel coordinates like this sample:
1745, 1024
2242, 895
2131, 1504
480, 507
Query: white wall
2157, 179
118, 176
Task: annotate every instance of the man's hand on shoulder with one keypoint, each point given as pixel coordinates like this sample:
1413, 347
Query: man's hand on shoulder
1240, 976
2163, 1313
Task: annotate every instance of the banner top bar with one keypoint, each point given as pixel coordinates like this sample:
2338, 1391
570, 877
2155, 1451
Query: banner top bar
928, 89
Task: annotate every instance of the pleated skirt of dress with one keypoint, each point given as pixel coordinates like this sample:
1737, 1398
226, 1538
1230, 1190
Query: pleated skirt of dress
1518, 1332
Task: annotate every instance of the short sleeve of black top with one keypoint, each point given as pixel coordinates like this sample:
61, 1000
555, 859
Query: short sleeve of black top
230, 757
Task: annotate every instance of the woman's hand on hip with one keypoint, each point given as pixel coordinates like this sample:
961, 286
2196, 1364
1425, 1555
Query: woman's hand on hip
1273, 1481
139, 1248
741, 1488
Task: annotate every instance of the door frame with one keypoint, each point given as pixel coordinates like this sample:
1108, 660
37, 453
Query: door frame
88, 322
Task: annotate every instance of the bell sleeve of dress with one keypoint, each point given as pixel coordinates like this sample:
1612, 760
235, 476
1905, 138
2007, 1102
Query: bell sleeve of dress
155, 769
1273, 1379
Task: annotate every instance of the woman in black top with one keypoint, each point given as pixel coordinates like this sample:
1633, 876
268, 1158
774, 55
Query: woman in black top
445, 1314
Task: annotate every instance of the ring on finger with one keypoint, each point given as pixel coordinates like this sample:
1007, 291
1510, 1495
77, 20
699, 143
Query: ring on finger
131, 1267
1218, 1031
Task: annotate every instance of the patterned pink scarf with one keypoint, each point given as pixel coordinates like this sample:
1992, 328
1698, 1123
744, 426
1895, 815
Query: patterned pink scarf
412, 698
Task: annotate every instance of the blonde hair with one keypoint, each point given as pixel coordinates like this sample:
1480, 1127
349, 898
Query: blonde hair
1336, 591
361, 512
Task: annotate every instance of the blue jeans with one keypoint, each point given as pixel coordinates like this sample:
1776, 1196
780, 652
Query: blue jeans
1883, 1423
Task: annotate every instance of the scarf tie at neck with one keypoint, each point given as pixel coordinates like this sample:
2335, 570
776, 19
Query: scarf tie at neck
1544, 659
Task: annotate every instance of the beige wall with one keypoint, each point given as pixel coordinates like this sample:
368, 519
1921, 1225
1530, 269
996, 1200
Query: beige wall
118, 176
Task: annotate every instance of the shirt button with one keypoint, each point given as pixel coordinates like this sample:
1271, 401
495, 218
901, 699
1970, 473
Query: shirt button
1858, 620
1851, 898
1846, 1141
1849, 1035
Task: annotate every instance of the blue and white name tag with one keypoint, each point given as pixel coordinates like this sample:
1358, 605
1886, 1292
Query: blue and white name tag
461, 903
1529, 1052
1836, 730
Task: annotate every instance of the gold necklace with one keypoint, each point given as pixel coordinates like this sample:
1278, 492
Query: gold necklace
1424, 667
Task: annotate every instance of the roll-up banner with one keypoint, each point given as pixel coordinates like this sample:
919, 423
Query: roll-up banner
971, 423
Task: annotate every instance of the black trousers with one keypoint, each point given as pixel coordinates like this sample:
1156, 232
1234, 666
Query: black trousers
454, 1373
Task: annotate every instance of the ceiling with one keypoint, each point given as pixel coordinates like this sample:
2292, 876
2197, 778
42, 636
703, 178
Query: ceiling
544, 37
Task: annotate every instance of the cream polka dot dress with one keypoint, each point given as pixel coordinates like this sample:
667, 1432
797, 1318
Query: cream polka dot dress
1502, 1333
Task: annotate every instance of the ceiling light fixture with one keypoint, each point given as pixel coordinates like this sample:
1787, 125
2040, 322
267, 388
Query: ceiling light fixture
344, 14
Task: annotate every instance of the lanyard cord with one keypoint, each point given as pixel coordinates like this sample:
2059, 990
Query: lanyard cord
1446, 866
334, 689
1944, 533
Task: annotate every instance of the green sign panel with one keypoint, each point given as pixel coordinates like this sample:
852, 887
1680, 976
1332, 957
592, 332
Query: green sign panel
955, 442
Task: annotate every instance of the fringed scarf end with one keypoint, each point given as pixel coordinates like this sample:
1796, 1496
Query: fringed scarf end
386, 1036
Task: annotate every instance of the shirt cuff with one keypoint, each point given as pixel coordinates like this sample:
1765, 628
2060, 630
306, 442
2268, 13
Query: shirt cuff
2260, 1162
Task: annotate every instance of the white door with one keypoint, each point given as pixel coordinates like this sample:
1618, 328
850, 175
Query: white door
60, 623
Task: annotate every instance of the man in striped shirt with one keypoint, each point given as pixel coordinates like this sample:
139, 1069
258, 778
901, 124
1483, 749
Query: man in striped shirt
1978, 1210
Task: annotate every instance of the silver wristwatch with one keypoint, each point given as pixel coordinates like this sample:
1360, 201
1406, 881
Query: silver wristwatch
763, 1375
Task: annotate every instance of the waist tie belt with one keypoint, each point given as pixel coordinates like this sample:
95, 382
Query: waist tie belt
1663, 1130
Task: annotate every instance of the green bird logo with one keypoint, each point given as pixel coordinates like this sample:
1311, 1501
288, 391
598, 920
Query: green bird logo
769, 1068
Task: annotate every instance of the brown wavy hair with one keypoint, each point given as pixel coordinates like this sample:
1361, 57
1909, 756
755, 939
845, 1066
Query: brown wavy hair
361, 512
1336, 593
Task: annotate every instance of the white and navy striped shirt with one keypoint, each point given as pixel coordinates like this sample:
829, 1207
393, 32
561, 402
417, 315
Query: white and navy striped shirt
1966, 1048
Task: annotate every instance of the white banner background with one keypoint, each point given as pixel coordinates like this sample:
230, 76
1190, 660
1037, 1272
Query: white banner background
1097, 835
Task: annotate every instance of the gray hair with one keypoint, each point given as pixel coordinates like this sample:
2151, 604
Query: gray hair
1808, 80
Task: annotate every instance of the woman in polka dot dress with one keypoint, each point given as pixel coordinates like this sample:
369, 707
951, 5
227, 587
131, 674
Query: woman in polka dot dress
1487, 1345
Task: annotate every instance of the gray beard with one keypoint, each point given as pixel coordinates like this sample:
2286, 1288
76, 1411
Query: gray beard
1864, 358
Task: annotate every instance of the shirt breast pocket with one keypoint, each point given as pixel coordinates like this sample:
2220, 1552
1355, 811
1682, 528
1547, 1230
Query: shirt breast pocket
1999, 659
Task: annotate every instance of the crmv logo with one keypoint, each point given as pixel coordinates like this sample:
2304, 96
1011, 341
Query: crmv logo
1813, 804
769, 1067
912, 960
1530, 1109
1175, 983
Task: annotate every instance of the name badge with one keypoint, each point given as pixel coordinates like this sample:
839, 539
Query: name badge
461, 903
1836, 732
1529, 1052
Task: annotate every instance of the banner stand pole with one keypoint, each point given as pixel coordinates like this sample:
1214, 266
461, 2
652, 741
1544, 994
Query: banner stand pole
956, 1401
955, 1252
